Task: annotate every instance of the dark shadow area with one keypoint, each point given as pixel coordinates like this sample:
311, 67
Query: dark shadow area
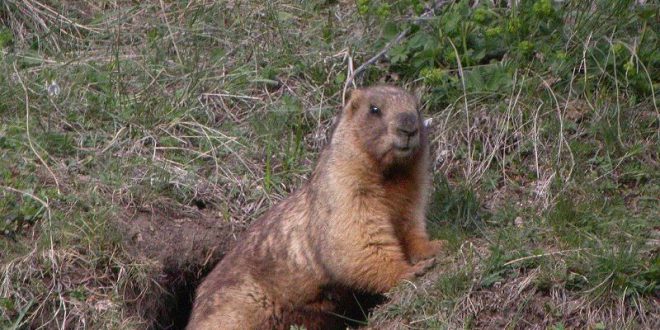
177, 301
338, 308
354, 308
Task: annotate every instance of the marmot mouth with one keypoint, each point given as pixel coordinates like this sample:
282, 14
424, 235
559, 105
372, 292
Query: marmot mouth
404, 146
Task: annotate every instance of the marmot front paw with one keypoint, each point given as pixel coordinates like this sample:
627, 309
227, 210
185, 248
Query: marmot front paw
431, 249
421, 268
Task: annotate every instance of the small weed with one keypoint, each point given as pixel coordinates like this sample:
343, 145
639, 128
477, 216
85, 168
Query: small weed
457, 206
452, 286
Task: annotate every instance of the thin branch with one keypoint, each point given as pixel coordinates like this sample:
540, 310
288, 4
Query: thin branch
467, 111
27, 129
380, 54
541, 255
169, 29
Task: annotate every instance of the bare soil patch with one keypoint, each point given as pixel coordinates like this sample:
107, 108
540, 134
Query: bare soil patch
185, 243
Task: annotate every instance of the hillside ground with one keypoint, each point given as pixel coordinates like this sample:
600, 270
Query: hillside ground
139, 138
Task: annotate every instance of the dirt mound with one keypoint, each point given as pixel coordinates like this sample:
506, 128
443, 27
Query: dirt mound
176, 237
185, 243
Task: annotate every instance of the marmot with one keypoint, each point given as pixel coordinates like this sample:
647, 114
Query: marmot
358, 222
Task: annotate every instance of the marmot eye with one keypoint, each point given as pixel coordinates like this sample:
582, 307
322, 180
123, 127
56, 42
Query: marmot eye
374, 109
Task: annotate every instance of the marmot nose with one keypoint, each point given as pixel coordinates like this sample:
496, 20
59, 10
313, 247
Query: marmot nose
407, 124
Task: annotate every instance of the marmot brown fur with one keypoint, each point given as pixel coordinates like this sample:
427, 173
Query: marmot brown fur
357, 223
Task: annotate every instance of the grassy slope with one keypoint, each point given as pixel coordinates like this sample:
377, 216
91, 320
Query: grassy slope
547, 176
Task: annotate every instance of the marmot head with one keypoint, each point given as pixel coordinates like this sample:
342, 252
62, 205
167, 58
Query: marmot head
385, 121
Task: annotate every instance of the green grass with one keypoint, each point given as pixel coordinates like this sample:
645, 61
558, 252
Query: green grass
545, 140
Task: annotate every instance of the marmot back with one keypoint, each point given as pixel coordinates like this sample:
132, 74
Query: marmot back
357, 223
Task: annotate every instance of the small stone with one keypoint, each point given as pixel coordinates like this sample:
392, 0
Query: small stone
518, 222
53, 88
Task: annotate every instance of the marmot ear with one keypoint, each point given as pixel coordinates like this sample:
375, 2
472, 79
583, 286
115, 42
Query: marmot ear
418, 92
354, 98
